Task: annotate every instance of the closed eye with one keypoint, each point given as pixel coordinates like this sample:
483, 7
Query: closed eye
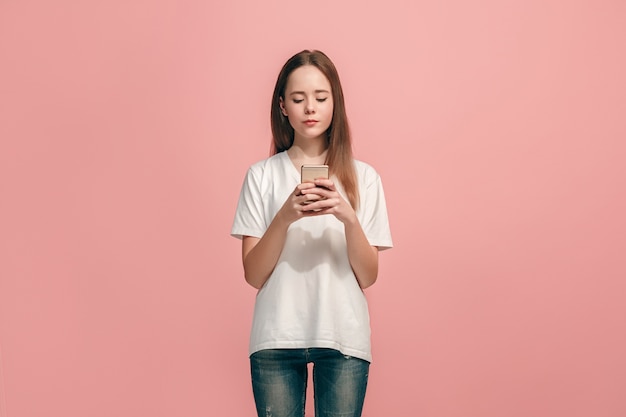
321, 100
298, 100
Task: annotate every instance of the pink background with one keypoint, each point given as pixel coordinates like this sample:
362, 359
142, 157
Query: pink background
499, 130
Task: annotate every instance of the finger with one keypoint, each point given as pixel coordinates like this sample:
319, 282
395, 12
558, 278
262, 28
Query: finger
301, 187
321, 192
318, 191
322, 204
326, 183
313, 198
309, 208
305, 186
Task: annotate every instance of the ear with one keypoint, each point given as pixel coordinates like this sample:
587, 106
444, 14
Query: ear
281, 103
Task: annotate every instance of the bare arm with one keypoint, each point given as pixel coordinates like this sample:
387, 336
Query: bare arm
363, 256
260, 255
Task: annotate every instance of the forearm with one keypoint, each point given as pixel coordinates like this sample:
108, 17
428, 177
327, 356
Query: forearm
261, 255
363, 257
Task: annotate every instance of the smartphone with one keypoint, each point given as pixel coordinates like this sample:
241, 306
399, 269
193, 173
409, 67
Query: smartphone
309, 173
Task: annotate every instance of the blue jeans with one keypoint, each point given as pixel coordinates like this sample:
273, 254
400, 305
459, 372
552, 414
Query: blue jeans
279, 378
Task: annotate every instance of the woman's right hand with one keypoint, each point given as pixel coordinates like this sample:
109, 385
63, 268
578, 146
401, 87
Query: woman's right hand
261, 254
295, 206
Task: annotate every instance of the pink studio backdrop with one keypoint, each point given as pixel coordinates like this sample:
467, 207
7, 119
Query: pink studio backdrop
498, 127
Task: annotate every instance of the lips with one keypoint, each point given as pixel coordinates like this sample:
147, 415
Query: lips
310, 122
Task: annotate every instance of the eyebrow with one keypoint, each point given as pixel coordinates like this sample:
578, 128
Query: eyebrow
303, 93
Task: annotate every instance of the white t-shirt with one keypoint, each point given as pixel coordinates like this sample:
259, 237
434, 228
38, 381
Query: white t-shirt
312, 298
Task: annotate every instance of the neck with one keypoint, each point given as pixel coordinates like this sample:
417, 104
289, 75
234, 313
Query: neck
309, 150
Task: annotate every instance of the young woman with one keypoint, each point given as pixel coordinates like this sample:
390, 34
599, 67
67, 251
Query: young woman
310, 249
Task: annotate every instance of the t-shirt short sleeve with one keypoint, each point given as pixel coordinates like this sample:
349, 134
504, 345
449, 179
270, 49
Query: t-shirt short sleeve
249, 216
372, 212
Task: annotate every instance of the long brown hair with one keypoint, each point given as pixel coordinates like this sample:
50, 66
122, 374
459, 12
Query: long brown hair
339, 156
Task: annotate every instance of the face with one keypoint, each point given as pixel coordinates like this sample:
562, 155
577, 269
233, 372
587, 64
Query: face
308, 103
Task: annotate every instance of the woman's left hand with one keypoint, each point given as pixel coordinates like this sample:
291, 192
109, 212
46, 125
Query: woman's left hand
328, 201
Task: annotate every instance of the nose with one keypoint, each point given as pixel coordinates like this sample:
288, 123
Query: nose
310, 107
